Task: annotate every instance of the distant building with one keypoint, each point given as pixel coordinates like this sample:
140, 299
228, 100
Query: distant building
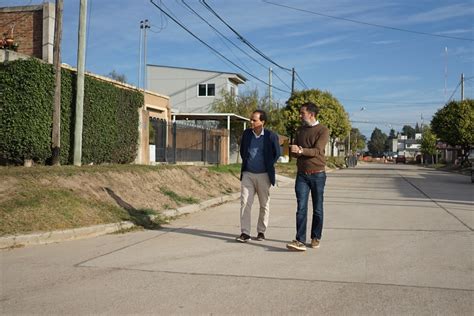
192, 90
409, 148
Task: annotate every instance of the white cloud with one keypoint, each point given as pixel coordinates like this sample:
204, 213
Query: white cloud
442, 13
386, 42
322, 42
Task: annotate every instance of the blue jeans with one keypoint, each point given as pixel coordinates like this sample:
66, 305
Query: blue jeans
304, 184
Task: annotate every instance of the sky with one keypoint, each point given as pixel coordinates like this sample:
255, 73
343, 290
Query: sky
389, 63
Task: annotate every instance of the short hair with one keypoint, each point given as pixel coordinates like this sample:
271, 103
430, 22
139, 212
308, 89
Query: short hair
263, 115
311, 107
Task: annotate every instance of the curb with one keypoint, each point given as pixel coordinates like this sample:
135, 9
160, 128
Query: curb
98, 230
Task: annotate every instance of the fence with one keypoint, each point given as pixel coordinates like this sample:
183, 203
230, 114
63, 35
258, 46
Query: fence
184, 142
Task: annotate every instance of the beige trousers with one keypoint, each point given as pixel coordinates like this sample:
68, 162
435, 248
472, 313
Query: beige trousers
254, 183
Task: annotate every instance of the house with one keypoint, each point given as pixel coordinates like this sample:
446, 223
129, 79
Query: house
30, 30
403, 146
191, 90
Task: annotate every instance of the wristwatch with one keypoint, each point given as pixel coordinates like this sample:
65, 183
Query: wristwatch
300, 151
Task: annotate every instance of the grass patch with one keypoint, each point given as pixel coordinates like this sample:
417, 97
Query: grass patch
46, 209
37, 199
233, 169
178, 199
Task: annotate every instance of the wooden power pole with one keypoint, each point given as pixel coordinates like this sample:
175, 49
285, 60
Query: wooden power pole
56, 135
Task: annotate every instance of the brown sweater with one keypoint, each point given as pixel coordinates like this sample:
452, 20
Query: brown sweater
313, 140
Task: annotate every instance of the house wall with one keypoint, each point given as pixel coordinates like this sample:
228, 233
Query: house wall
181, 85
156, 106
32, 27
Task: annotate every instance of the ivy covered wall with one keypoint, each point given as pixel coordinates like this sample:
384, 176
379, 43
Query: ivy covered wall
110, 122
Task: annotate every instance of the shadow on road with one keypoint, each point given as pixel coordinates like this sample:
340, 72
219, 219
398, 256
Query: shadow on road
228, 238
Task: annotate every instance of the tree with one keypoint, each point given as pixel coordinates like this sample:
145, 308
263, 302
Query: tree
389, 141
392, 134
377, 142
358, 141
331, 114
454, 124
428, 143
244, 105
408, 131
118, 77
417, 128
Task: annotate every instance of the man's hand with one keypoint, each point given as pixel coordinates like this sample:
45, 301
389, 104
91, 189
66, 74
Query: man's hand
295, 149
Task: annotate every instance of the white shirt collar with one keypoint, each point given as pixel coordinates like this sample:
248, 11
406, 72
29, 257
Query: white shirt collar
261, 134
315, 123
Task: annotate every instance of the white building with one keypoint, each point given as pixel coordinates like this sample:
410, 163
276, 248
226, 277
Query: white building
191, 90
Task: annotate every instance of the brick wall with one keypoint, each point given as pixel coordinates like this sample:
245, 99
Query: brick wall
27, 31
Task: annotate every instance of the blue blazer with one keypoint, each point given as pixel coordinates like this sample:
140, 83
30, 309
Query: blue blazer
271, 151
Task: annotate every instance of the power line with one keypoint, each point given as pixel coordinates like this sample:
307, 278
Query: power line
369, 24
211, 48
456, 89
301, 80
391, 102
241, 38
230, 41
383, 123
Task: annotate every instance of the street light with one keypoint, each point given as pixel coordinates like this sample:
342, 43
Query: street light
349, 142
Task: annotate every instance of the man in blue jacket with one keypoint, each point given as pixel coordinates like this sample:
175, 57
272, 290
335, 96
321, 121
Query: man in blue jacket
259, 150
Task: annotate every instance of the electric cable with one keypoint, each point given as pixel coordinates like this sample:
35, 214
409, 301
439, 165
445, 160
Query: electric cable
240, 37
211, 48
369, 24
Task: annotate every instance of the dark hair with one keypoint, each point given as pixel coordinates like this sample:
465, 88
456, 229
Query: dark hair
263, 115
311, 107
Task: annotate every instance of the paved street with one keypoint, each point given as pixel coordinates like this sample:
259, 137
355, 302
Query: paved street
397, 240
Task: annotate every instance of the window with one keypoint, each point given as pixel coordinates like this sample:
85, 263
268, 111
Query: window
206, 90
232, 91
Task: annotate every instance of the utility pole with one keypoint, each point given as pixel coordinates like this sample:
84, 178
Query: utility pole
446, 74
462, 87
292, 80
145, 26
56, 136
81, 61
270, 86
140, 55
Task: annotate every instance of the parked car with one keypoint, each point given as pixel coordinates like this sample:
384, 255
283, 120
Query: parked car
400, 159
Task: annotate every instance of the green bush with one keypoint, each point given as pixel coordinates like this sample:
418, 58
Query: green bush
110, 122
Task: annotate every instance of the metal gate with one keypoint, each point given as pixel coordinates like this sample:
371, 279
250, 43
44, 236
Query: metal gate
184, 142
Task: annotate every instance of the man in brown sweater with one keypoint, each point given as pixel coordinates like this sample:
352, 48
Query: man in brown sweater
309, 148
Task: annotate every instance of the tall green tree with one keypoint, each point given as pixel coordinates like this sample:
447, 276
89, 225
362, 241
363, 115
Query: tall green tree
358, 141
417, 128
408, 131
331, 114
392, 134
428, 143
454, 124
377, 142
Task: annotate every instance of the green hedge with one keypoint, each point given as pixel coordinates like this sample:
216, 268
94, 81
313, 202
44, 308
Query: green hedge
110, 123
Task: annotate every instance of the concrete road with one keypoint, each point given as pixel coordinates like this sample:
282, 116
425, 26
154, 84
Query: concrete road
398, 240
